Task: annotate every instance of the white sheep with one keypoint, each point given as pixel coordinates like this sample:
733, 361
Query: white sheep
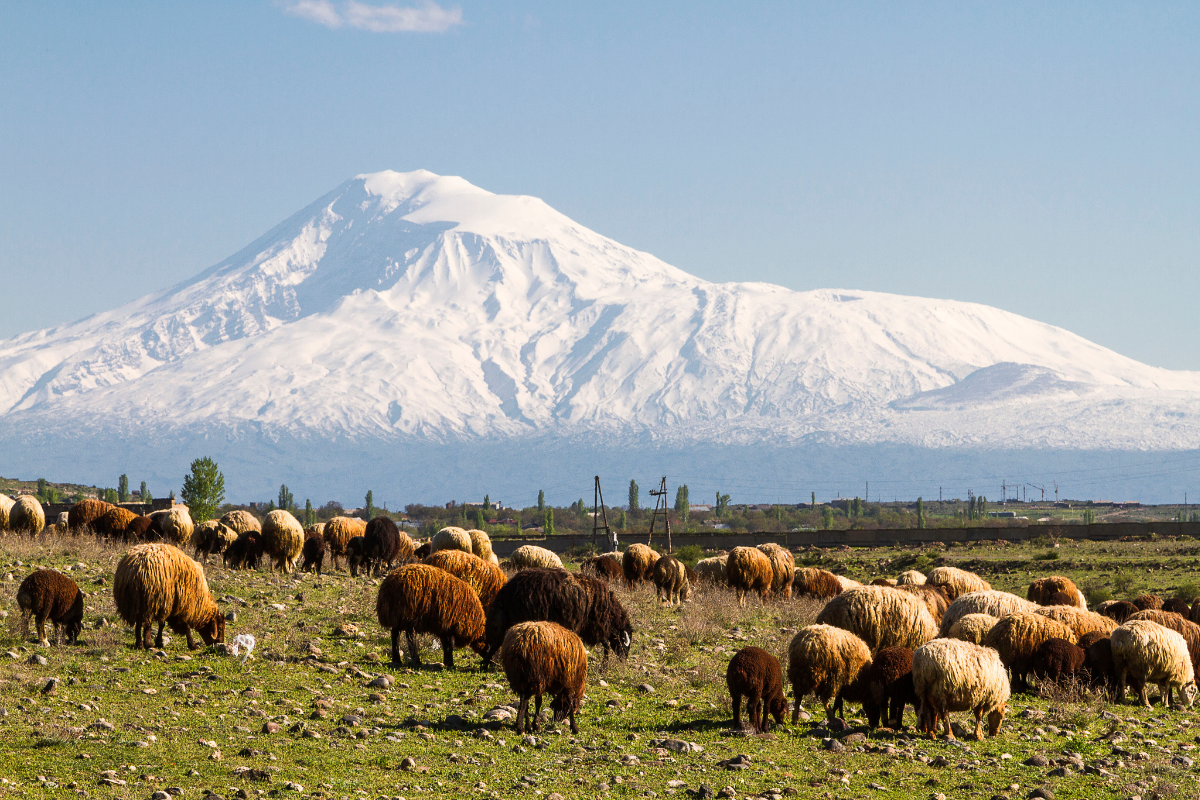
530, 555
881, 616
996, 603
1146, 652
953, 675
452, 538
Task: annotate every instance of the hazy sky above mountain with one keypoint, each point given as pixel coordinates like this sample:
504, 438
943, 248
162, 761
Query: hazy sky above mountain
1037, 157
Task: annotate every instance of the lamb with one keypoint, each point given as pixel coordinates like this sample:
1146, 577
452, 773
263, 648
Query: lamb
114, 524
881, 616
953, 675
972, 628
1190, 631
545, 658
47, 594
313, 552
1078, 620
603, 568
175, 524
484, 577
1043, 589
158, 583
1119, 610
246, 551
755, 674
85, 512
241, 521
26, 516
381, 543
996, 603
813, 582
338, 533
932, 596
606, 622
452, 538
1146, 602
1056, 659
1017, 637
911, 577
956, 582
889, 686
712, 570
283, 539
638, 563
783, 568
747, 570
424, 548
1098, 664
824, 660
211, 538
1146, 652
6, 504
530, 556
481, 545
671, 580
418, 598
356, 554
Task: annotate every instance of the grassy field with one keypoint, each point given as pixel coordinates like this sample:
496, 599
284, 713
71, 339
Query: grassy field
125, 723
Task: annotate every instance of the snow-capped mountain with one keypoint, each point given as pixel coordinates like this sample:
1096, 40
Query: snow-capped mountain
410, 307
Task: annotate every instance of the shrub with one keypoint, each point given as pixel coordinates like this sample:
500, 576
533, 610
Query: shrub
1187, 592
1096, 594
690, 554
1049, 555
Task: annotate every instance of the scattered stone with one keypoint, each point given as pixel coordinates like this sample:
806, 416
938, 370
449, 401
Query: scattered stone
38, 659
408, 763
1037, 760
834, 745
736, 763
270, 727
1042, 791
645, 688
382, 682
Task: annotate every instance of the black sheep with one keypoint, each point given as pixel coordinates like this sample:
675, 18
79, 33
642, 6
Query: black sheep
607, 622
48, 594
889, 686
313, 553
1121, 611
602, 567
381, 543
1099, 669
1056, 659
356, 555
755, 674
245, 552
1180, 607
535, 595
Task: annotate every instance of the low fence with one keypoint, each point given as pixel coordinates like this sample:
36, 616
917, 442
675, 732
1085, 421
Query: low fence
882, 537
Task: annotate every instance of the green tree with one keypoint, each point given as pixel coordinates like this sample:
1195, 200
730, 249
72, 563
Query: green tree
310, 516
856, 507
203, 489
681, 501
722, 504
541, 500
487, 503
814, 499
41, 487
1089, 517
480, 520
144, 493
581, 509
624, 521
549, 523
635, 501
920, 512
369, 506
286, 501
123, 488
826, 518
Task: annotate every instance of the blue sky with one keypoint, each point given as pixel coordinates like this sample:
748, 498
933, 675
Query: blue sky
1037, 157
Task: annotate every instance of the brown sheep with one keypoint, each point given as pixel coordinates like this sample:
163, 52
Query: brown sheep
755, 674
85, 512
418, 598
602, 567
1056, 659
932, 596
1118, 610
114, 523
313, 552
671, 580
1017, 637
955, 581
1148, 602
1099, 668
748, 570
1060, 599
1042, 591
1177, 606
1190, 631
813, 582
241, 521
1078, 620
638, 563
245, 552
484, 577
141, 530
158, 583
824, 660
48, 594
783, 568
889, 686
545, 658
212, 538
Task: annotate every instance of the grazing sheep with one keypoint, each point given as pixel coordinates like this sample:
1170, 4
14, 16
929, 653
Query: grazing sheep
1145, 652
953, 675
1177, 606
6, 503
338, 533
452, 538
1043, 590
1056, 659
313, 552
1078, 620
1017, 637
1190, 631
933, 597
481, 545
26, 516
158, 583
381, 543
356, 555
881, 616
212, 538
712, 569
484, 577
1119, 610
241, 521
532, 595
606, 622
747, 570
824, 660
418, 598
1194, 611
545, 658
847, 583
602, 567
638, 563
972, 628
85, 512
142, 529
530, 556
884, 582
175, 524
316, 529
889, 686
956, 582
246, 551
755, 674
283, 539
996, 603
1060, 599
911, 577
63, 523
47, 594
114, 524
424, 548
1145, 602
1098, 666
813, 582
671, 580
783, 568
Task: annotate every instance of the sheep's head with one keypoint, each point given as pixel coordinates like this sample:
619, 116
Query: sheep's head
995, 718
213, 631
621, 642
778, 708
1189, 693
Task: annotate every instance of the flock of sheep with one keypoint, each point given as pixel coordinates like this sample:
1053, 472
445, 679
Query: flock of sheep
943, 642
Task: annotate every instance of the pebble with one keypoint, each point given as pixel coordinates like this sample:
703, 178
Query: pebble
645, 688
39, 659
408, 763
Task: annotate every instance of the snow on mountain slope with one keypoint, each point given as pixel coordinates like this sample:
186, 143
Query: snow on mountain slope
414, 306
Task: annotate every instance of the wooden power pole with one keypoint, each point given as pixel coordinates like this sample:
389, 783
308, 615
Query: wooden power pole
599, 512
660, 506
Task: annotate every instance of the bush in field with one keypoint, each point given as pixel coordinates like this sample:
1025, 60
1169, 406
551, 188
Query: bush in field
1096, 594
690, 554
1187, 592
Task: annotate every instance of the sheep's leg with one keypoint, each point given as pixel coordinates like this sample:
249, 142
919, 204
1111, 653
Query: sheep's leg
187, 631
979, 724
753, 704
946, 723
795, 707
829, 712
147, 629
837, 708
571, 717
737, 710
537, 712
448, 652
396, 646
414, 655
1144, 695
41, 630
522, 713
25, 625
137, 635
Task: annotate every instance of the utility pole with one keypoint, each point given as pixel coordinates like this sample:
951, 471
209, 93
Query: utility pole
867, 493
660, 505
598, 506
1056, 491
939, 494
1003, 492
